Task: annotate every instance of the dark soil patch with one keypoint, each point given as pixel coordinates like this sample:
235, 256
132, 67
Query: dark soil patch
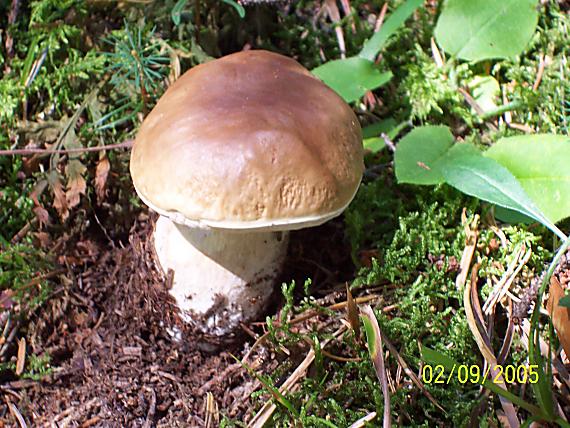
114, 363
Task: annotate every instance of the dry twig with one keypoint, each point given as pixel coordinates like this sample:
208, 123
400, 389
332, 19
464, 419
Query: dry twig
25, 152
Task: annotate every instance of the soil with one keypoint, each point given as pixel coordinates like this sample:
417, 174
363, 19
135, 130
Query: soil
114, 364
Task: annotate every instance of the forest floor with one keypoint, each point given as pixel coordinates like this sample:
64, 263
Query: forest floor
115, 358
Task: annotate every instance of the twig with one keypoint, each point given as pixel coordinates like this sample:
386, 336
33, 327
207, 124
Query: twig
346, 9
9, 44
25, 152
151, 409
482, 340
362, 422
475, 105
540, 72
470, 244
212, 413
17, 415
339, 358
23, 231
409, 372
21, 361
334, 15
502, 286
438, 59
381, 17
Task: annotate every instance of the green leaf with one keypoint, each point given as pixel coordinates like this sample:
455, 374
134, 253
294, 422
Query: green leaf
177, 11
372, 335
486, 179
541, 164
238, 7
418, 153
565, 301
374, 144
510, 216
372, 46
375, 129
372, 133
352, 77
484, 90
476, 30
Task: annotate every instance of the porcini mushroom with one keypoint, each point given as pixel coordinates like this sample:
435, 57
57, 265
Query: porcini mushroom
236, 153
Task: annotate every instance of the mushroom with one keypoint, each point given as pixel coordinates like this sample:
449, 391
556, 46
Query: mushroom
237, 152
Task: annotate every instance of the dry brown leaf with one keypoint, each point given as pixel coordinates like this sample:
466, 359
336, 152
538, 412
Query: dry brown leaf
37, 191
42, 215
559, 314
31, 164
59, 201
352, 312
101, 174
76, 185
42, 240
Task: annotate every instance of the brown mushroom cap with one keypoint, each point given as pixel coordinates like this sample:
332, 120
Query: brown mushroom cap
249, 141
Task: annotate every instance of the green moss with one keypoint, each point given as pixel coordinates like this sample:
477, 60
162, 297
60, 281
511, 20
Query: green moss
418, 264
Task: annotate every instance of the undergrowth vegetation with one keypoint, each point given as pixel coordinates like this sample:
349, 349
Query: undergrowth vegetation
82, 75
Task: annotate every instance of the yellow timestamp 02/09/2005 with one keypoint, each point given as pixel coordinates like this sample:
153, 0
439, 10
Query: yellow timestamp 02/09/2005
464, 373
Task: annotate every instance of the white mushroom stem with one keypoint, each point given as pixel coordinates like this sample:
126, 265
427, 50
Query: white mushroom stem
221, 277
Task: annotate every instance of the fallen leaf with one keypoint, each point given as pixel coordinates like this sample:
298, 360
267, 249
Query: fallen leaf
37, 191
76, 185
31, 164
42, 215
559, 315
42, 240
101, 175
352, 312
59, 202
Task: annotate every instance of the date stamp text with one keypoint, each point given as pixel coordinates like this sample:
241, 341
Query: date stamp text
464, 373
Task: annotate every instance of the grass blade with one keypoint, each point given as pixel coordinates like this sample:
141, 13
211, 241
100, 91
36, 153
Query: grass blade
394, 21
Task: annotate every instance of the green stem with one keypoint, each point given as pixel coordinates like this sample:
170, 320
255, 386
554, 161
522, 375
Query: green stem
513, 105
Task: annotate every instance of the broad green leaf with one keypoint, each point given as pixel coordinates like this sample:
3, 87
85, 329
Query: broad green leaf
352, 77
372, 46
541, 164
374, 144
510, 216
485, 90
375, 129
475, 30
418, 153
486, 179
459, 150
